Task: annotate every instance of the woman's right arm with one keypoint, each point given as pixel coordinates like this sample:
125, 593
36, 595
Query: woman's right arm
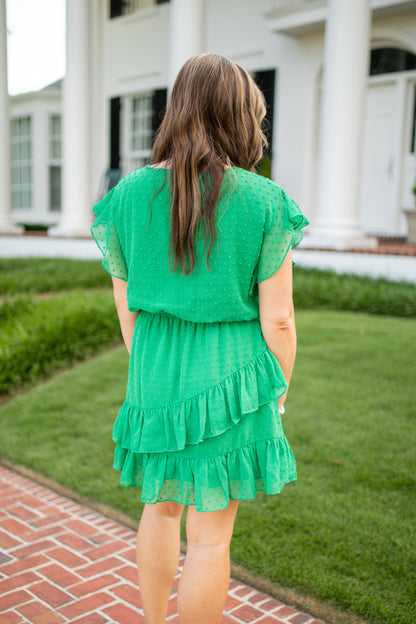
127, 319
277, 317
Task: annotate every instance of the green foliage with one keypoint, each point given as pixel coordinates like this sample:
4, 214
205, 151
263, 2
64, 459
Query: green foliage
313, 289
10, 309
264, 167
326, 290
41, 275
39, 336
344, 532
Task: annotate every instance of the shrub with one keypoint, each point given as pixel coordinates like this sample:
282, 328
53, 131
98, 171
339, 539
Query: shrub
40, 275
326, 290
313, 289
9, 310
37, 337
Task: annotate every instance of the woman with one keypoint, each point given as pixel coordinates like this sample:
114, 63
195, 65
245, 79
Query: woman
199, 247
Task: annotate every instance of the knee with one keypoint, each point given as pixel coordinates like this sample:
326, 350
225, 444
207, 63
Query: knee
205, 539
168, 509
211, 528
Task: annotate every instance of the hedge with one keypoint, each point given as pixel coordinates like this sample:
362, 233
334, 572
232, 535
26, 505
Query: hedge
37, 337
325, 290
313, 289
40, 275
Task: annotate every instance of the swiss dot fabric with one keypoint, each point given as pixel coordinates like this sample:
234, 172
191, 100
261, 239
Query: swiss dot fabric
105, 234
200, 423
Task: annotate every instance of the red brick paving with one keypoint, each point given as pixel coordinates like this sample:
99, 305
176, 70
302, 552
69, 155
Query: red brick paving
10, 617
66, 563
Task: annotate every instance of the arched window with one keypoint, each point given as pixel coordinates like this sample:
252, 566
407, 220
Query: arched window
389, 60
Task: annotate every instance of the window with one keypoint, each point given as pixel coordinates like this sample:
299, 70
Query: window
140, 131
134, 121
55, 162
21, 162
389, 60
124, 7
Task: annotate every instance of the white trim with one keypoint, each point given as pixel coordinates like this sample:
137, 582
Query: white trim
144, 74
391, 77
382, 37
399, 149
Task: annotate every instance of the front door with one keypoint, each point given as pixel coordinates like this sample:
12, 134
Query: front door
380, 160
408, 198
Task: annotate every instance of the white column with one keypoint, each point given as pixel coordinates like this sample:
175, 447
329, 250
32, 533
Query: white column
346, 54
186, 22
6, 223
76, 209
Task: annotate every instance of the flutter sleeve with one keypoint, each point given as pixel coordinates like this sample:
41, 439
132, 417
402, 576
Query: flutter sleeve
283, 231
105, 233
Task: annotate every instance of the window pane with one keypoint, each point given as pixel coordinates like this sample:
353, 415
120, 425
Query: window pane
24, 128
15, 199
55, 188
55, 149
15, 176
14, 152
390, 60
56, 124
55, 140
21, 165
25, 150
25, 175
26, 199
141, 124
13, 128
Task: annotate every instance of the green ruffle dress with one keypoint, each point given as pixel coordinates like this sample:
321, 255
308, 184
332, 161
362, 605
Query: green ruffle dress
200, 423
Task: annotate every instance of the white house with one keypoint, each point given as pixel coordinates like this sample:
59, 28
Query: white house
36, 156
339, 78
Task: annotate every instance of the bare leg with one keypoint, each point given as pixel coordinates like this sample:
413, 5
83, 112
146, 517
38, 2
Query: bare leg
206, 574
158, 548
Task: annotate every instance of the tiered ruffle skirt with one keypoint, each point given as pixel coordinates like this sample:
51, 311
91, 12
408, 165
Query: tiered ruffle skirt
200, 424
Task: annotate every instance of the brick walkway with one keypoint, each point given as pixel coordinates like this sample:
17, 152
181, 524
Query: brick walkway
62, 562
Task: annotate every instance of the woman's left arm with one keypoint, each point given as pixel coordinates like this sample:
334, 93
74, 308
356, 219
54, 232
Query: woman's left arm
127, 319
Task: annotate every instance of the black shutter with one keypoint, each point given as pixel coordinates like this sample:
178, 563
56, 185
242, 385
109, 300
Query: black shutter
116, 8
115, 105
160, 97
266, 81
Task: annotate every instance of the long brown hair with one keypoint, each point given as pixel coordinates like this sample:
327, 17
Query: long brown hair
213, 120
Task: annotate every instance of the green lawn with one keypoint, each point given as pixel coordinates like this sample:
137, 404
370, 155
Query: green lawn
345, 533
